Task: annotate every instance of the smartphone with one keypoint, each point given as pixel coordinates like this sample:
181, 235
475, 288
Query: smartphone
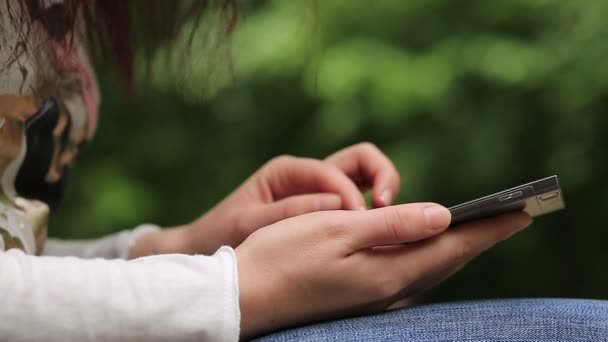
536, 198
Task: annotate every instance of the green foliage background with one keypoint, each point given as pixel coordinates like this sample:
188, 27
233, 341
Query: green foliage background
466, 97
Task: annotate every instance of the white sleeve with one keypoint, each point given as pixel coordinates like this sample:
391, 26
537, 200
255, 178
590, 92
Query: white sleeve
114, 246
169, 297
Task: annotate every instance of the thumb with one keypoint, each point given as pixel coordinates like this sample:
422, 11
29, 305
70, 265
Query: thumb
298, 205
398, 224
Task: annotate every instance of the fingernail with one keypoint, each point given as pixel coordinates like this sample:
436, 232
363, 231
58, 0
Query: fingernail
437, 217
386, 197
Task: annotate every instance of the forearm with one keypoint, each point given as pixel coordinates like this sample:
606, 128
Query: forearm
175, 240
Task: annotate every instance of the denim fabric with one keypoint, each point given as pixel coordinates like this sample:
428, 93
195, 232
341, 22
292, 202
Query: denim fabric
491, 320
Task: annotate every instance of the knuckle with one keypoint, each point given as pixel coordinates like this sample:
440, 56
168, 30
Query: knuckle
306, 205
396, 224
464, 249
316, 204
384, 287
368, 147
397, 178
287, 211
284, 158
335, 229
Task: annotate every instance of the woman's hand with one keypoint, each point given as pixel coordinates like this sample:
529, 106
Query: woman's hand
284, 187
290, 186
341, 263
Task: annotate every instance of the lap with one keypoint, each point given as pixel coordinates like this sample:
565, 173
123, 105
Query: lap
490, 320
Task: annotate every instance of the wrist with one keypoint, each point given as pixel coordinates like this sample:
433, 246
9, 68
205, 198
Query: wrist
247, 303
208, 233
162, 241
258, 298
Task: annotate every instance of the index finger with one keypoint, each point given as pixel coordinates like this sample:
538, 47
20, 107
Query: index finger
368, 166
289, 176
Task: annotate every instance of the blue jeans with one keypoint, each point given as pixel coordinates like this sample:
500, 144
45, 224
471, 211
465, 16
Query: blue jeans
492, 320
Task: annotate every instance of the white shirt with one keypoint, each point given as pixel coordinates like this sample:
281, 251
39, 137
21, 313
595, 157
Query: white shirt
156, 298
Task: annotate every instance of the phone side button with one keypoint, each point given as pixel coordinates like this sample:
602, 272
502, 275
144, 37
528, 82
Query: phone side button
548, 196
510, 196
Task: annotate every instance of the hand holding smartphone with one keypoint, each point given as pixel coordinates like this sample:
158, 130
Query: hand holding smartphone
536, 198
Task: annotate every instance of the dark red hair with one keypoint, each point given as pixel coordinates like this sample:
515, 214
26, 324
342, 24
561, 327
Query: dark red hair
116, 29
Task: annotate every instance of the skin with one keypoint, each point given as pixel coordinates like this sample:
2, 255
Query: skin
284, 187
308, 252
328, 265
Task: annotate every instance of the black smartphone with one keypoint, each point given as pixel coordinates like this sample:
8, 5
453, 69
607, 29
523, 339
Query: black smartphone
536, 198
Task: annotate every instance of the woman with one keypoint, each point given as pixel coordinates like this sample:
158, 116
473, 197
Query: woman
292, 245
